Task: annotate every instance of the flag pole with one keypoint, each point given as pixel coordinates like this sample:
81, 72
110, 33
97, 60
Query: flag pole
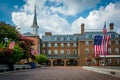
105, 50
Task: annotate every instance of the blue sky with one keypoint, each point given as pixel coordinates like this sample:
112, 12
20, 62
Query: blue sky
61, 16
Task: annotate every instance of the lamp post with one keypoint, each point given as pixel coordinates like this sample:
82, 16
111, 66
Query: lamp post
6, 41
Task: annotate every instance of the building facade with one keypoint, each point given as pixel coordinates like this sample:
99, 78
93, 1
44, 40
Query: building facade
78, 49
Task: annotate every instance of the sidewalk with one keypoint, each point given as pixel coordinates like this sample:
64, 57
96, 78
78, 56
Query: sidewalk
112, 71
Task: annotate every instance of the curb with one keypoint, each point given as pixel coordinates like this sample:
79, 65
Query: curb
111, 72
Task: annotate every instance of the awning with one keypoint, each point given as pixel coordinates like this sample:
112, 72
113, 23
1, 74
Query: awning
109, 56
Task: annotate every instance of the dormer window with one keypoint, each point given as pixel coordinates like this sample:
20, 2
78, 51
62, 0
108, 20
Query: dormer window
55, 38
86, 36
68, 38
116, 36
62, 38
93, 36
75, 38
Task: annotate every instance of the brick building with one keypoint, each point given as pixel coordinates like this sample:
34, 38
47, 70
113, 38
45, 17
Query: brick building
78, 49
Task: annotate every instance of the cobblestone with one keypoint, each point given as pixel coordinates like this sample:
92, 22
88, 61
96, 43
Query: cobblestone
55, 73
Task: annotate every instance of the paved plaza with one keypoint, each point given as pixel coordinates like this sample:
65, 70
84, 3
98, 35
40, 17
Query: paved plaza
55, 73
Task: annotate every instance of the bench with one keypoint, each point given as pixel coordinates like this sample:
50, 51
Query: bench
26, 66
4, 67
21, 66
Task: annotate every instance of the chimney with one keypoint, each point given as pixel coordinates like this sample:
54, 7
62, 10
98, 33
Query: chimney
48, 34
111, 25
82, 28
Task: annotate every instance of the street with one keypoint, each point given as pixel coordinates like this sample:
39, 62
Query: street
55, 73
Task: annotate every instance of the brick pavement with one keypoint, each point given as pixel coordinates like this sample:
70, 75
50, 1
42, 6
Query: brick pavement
55, 73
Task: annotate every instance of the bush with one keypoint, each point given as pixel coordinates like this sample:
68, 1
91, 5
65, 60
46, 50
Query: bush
11, 55
41, 59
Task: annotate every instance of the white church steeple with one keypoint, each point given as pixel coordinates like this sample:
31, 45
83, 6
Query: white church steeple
34, 25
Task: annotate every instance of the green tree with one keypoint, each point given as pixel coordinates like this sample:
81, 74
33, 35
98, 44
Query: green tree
24, 43
8, 31
41, 59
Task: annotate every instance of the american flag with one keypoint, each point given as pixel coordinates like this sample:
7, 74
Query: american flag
98, 45
32, 51
11, 45
104, 29
101, 43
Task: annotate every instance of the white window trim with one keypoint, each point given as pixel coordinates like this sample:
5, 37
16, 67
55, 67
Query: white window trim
49, 52
68, 44
68, 52
116, 50
86, 42
62, 45
55, 52
74, 44
68, 38
43, 45
49, 44
116, 42
86, 50
62, 52
55, 44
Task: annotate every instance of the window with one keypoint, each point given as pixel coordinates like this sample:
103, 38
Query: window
68, 44
55, 38
74, 45
55, 45
116, 36
49, 52
86, 36
49, 44
116, 42
62, 52
86, 50
62, 45
68, 52
93, 61
116, 50
109, 50
43, 45
75, 52
117, 61
55, 52
90, 35
74, 38
68, 38
86, 42
43, 51
93, 36
62, 38
109, 61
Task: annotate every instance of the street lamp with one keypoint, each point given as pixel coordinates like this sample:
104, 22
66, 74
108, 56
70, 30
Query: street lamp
6, 41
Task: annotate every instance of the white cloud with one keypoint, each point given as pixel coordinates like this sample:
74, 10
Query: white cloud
72, 7
49, 22
46, 20
96, 18
22, 21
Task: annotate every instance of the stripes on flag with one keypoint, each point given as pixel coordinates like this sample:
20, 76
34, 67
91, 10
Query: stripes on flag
33, 52
97, 45
11, 45
101, 45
